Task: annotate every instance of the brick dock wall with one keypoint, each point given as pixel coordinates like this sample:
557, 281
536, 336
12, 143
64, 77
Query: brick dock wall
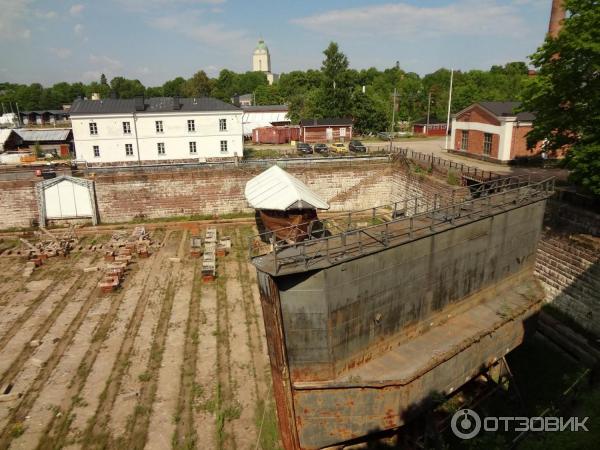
18, 205
568, 263
126, 196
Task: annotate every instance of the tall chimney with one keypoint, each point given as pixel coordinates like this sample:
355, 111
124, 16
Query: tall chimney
556, 17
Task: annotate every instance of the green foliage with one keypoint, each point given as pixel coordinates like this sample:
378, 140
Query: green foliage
124, 88
566, 92
583, 161
333, 96
368, 113
174, 87
37, 149
197, 86
333, 91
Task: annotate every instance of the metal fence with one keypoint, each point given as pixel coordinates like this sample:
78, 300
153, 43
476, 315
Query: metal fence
445, 165
384, 153
360, 232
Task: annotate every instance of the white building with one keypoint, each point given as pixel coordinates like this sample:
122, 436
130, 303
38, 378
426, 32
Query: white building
264, 116
261, 61
155, 130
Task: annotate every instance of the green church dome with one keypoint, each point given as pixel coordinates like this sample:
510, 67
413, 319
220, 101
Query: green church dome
261, 46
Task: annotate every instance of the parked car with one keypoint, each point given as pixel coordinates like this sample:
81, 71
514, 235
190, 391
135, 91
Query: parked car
321, 148
357, 146
304, 148
338, 147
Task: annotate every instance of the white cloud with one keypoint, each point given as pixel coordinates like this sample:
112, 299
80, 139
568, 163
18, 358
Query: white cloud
13, 12
76, 9
191, 26
62, 53
91, 75
147, 5
465, 17
45, 14
105, 62
78, 30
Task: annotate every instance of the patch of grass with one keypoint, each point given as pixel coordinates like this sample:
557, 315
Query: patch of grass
254, 153
144, 376
232, 411
266, 422
141, 410
17, 429
453, 178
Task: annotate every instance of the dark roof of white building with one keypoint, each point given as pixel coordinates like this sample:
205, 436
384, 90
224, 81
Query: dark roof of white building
261, 108
507, 109
149, 105
342, 121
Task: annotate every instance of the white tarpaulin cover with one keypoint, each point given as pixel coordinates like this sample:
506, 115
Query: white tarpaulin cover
276, 189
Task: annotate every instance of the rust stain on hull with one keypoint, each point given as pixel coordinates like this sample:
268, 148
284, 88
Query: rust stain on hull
351, 357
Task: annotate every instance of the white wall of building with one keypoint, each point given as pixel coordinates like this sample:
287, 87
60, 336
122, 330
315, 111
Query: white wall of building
256, 119
504, 131
144, 138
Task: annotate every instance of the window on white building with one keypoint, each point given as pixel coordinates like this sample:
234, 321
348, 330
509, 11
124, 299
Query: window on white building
126, 128
464, 141
161, 148
96, 151
159, 126
222, 124
93, 128
128, 149
223, 146
191, 125
193, 148
487, 143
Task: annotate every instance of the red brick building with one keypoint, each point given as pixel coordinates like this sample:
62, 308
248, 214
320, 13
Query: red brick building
325, 130
493, 131
436, 127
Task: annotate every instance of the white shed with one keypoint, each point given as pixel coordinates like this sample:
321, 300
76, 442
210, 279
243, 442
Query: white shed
277, 190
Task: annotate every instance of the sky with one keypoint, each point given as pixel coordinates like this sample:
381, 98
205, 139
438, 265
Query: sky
157, 40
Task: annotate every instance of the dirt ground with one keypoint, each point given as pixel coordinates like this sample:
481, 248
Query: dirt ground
165, 361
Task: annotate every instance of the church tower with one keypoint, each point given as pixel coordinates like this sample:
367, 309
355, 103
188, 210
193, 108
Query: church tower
261, 60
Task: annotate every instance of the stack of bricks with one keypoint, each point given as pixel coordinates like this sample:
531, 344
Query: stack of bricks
209, 266
195, 246
224, 246
114, 272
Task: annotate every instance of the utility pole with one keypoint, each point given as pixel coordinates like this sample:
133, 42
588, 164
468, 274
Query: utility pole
393, 119
18, 115
449, 104
428, 110
394, 109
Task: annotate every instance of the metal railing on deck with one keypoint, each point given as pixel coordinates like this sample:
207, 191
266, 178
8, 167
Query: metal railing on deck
366, 231
446, 165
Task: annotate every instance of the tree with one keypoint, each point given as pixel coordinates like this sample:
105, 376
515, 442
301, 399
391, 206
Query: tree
267, 95
333, 97
124, 88
197, 86
103, 80
565, 95
174, 87
368, 116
